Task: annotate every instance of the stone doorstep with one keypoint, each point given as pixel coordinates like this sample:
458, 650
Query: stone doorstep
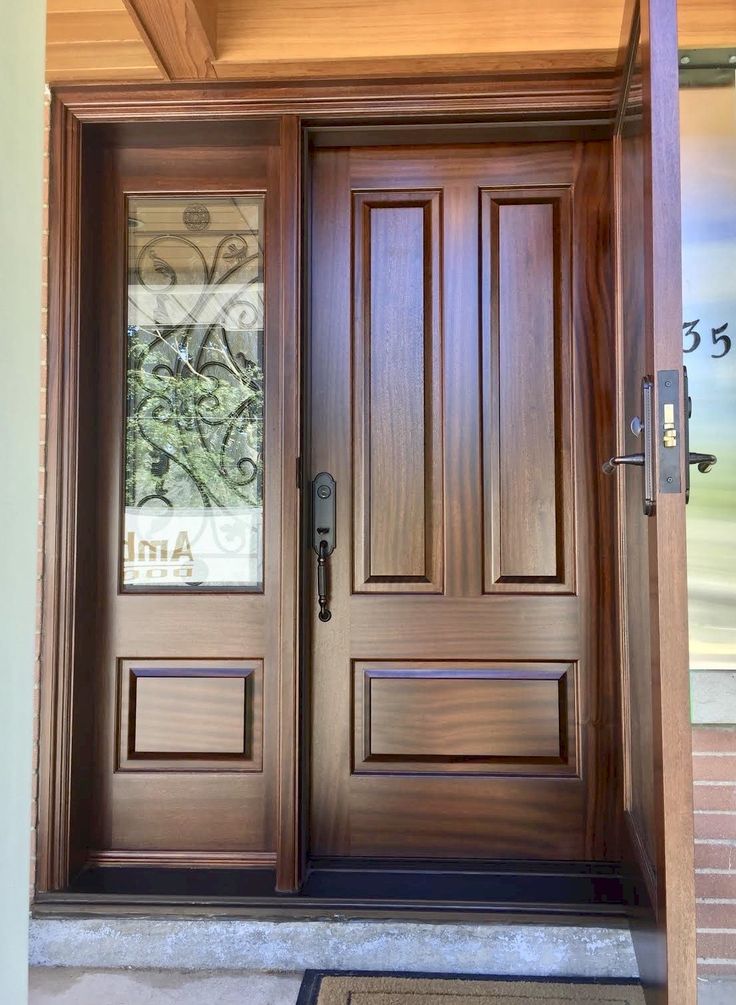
207, 944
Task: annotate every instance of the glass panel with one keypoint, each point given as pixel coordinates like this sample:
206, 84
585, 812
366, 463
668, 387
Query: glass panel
194, 425
708, 122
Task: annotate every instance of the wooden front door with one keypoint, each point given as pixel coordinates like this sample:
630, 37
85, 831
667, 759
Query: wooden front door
461, 394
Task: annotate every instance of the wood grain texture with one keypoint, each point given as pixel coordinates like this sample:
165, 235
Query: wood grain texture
443, 718
95, 40
527, 389
653, 566
179, 34
397, 392
527, 100
526, 378
295, 39
188, 715
350, 806
60, 846
287, 171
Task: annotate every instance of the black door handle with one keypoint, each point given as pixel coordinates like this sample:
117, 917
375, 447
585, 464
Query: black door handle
323, 535
322, 555
637, 460
704, 461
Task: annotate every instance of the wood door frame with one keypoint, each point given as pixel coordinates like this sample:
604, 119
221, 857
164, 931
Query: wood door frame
660, 901
568, 105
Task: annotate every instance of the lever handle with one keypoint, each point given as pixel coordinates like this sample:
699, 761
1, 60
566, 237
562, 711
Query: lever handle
704, 461
637, 460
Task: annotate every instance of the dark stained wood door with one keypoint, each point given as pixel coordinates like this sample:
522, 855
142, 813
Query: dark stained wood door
461, 387
653, 601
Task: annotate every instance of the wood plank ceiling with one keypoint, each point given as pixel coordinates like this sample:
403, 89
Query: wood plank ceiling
107, 40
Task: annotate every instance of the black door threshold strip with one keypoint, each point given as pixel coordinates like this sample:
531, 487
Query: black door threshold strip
555, 888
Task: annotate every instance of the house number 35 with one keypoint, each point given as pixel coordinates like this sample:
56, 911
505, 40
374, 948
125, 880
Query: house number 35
718, 338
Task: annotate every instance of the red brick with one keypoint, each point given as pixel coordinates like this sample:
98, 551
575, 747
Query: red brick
714, 797
716, 885
715, 856
720, 739
717, 946
716, 915
714, 768
715, 825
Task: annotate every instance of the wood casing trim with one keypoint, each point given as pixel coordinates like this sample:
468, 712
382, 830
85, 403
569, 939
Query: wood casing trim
183, 859
289, 851
581, 97
59, 534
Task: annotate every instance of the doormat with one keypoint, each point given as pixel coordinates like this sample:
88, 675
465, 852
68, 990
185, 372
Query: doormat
321, 987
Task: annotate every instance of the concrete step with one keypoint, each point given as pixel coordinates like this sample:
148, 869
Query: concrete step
216, 943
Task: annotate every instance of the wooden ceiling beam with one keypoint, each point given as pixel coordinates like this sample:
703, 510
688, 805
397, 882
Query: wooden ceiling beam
181, 35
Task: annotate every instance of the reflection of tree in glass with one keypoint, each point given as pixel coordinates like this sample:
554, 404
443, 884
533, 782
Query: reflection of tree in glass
194, 432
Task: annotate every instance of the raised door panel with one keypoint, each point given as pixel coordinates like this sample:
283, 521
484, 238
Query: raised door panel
397, 392
465, 718
527, 400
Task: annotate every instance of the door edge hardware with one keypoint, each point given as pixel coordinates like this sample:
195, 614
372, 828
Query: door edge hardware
644, 427
323, 535
635, 460
705, 462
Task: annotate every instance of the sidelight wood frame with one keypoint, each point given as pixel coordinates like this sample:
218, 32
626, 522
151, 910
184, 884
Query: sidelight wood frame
515, 106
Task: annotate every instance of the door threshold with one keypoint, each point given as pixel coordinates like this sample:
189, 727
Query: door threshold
360, 888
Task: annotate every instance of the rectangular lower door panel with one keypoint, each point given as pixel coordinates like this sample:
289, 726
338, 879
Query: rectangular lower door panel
478, 718
190, 716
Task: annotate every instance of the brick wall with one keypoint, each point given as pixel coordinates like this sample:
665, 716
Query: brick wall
714, 770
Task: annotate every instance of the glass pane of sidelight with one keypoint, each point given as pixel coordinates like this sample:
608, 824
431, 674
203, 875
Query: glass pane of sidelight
708, 148
194, 413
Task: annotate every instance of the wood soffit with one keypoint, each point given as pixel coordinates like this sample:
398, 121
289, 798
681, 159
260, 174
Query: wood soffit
182, 40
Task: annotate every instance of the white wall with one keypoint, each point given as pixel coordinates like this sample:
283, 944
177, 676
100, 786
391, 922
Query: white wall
22, 31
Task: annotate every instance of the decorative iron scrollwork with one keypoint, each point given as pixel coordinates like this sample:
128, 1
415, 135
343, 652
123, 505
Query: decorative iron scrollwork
194, 435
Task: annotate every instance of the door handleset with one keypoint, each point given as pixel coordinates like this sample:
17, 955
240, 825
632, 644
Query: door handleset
323, 536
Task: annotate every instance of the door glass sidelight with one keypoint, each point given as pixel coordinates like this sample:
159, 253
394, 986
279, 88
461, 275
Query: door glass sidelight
193, 459
708, 151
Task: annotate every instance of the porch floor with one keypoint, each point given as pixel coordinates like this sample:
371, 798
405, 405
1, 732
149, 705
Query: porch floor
74, 986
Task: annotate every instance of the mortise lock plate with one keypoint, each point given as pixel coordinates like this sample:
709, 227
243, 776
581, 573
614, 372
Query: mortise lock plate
661, 435
669, 420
